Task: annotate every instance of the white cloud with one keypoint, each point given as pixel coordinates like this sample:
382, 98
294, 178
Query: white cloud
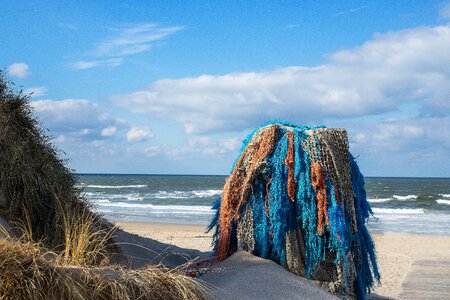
411, 146
128, 40
139, 134
152, 151
134, 39
76, 118
89, 64
409, 134
444, 12
203, 145
19, 70
109, 131
360, 137
394, 134
406, 67
37, 91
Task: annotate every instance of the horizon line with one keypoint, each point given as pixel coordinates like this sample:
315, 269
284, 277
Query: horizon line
157, 174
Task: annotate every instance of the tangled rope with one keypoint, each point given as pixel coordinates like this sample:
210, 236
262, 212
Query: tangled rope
296, 196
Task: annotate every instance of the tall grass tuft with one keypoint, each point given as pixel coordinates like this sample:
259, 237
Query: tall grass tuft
85, 242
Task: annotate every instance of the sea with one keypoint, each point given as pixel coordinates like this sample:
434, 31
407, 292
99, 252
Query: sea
415, 205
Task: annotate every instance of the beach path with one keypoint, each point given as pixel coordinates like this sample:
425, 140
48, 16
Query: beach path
428, 279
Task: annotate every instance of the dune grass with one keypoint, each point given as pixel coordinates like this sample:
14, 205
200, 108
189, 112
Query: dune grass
85, 242
32, 176
29, 271
81, 268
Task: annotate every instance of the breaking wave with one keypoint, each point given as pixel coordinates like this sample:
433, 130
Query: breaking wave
443, 201
398, 211
409, 197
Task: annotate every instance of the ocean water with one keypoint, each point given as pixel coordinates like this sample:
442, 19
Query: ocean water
417, 205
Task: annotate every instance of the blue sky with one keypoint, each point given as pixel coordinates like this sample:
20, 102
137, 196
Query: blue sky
175, 86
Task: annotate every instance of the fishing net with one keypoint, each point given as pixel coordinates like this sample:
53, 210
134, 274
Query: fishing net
296, 196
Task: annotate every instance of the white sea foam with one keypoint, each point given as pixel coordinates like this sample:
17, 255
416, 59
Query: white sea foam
176, 209
398, 211
207, 193
102, 201
379, 200
394, 197
170, 195
136, 186
443, 201
409, 197
185, 194
128, 197
161, 195
123, 197
445, 195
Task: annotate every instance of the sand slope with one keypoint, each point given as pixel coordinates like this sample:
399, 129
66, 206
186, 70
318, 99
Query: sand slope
137, 251
245, 276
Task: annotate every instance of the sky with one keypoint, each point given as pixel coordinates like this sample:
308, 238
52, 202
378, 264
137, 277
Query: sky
173, 87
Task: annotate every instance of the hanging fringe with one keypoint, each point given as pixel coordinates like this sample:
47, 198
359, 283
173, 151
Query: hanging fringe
296, 196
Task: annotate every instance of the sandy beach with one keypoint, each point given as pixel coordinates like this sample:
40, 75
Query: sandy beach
397, 252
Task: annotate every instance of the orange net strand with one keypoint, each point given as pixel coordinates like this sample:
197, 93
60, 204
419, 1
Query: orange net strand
318, 182
241, 179
290, 162
265, 148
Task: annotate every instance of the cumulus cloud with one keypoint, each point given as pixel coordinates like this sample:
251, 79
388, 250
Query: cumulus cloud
109, 131
139, 134
152, 151
391, 70
37, 91
76, 118
19, 70
406, 133
409, 146
204, 145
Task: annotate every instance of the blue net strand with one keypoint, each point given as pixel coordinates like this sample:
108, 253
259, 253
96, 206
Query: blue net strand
281, 212
215, 223
366, 265
261, 224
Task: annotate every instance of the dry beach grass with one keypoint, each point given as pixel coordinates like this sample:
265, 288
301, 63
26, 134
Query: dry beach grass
29, 271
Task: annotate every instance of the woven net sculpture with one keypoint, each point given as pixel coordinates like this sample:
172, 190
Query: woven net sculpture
296, 196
